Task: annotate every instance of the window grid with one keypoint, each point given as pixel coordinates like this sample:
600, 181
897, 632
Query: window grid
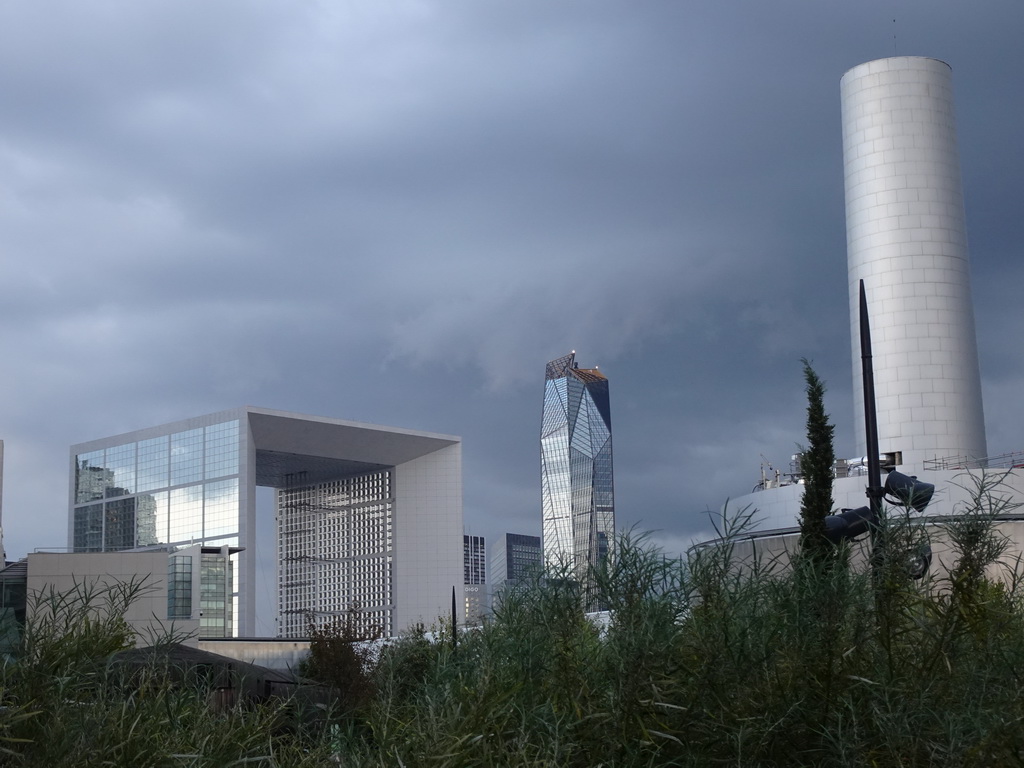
179, 587
156, 490
335, 549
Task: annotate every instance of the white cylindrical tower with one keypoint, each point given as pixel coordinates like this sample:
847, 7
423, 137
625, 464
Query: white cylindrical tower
907, 239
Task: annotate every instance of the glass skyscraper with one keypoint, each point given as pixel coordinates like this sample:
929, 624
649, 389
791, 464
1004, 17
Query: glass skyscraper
576, 466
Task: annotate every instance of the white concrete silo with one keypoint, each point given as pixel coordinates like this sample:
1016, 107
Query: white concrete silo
907, 239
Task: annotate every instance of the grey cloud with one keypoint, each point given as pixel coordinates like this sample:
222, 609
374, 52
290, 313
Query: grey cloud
398, 212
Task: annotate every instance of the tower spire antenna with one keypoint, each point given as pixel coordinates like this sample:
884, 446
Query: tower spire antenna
894, 38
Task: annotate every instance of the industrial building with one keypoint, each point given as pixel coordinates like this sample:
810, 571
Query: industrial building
907, 241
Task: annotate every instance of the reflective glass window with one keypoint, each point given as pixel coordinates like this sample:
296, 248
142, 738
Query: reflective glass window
91, 477
161, 501
227, 541
119, 525
187, 457
186, 514
221, 443
220, 508
153, 464
215, 594
179, 587
120, 460
150, 518
88, 528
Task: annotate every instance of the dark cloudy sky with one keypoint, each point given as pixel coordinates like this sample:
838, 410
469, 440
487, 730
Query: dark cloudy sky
397, 212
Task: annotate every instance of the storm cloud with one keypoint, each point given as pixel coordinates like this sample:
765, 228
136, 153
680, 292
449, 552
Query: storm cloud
398, 212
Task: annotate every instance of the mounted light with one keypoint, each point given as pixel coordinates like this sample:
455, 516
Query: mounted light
908, 491
849, 524
919, 561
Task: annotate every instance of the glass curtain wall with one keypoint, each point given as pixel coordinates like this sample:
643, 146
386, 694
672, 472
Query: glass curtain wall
177, 489
576, 467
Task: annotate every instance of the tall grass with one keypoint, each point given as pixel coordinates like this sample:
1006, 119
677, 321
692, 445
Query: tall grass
67, 701
718, 661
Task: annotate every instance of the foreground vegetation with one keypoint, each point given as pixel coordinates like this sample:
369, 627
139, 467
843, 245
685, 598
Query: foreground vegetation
716, 665
709, 662
67, 698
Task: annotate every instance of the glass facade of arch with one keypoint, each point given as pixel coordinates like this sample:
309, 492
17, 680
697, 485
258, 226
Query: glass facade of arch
177, 489
576, 466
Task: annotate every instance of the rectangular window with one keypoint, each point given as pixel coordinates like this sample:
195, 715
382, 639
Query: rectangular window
186, 514
153, 464
91, 477
120, 461
179, 587
187, 457
220, 508
221, 450
88, 531
119, 525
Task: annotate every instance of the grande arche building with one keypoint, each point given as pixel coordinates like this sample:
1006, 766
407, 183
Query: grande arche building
365, 515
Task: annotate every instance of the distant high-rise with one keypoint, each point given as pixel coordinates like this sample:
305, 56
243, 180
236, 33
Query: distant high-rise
514, 560
474, 567
576, 466
474, 560
907, 239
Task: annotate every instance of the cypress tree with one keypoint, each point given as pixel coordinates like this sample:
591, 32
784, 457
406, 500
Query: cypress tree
816, 464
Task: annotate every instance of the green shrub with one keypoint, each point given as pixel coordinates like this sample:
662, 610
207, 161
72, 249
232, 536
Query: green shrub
66, 701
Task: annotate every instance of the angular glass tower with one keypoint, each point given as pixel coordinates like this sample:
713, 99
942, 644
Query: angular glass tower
576, 466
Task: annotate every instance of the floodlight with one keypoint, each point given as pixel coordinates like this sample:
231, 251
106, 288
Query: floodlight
908, 491
849, 524
919, 562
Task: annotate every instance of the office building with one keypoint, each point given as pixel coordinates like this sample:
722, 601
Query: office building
576, 466
474, 560
474, 569
515, 559
366, 517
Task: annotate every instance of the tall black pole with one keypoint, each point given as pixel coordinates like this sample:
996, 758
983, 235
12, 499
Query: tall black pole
455, 627
874, 491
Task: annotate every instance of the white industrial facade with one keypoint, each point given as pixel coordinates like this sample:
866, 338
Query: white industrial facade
907, 239
367, 516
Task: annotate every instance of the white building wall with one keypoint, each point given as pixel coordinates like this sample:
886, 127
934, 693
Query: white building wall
779, 508
65, 573
907, 239
3, 552
428, 537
